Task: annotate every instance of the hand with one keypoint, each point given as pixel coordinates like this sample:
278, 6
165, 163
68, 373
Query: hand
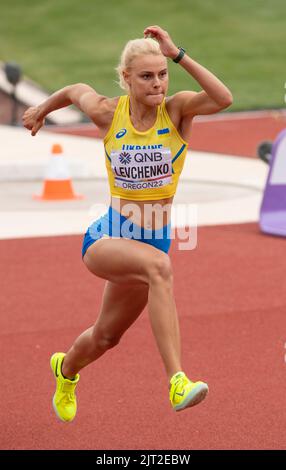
167, 46
33, 120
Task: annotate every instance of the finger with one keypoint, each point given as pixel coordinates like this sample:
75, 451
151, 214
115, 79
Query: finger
154, 28
156, 33
35, 130
150, 29
26, 123
149, 36
152, 34
36, 127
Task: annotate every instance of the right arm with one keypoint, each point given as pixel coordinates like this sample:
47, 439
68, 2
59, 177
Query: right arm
81, 95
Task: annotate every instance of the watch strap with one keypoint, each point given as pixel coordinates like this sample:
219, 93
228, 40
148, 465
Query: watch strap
180, 55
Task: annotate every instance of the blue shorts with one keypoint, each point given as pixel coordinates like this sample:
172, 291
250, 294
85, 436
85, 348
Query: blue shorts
115, 224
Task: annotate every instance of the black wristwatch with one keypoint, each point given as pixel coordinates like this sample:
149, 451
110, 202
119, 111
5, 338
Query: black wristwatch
180, 55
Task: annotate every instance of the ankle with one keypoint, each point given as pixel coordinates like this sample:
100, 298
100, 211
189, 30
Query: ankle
65, 373
173, 373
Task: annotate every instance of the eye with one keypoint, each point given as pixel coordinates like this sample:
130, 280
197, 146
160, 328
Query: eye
145, 76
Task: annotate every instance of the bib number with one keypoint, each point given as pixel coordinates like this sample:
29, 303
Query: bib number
141, 169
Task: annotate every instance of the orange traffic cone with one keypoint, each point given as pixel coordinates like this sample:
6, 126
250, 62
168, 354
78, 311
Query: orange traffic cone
57, 184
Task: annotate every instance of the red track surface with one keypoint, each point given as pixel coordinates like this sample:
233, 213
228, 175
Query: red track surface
231, 305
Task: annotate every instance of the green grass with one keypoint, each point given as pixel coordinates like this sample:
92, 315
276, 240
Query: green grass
58, 42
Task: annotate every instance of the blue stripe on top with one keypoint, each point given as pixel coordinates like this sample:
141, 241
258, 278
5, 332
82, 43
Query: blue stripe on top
178, 154
107, 155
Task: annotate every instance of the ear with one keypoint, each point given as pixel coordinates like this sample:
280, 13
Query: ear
126, 77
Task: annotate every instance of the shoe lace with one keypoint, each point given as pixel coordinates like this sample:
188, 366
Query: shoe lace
68, 390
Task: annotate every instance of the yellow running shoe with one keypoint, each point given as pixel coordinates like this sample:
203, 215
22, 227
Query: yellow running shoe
64, 400
185, 393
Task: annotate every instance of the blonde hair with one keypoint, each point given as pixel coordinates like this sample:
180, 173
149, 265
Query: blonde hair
132, 49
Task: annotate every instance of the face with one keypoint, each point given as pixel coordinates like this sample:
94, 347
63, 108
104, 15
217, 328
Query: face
148, 79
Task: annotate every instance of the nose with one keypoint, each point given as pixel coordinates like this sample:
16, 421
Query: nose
156, 81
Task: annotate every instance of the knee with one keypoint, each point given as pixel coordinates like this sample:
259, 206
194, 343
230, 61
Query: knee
161, 268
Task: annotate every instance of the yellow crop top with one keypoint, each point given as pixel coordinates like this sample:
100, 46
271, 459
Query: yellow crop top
143, 165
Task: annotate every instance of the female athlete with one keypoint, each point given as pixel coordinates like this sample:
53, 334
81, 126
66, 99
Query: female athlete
145, 135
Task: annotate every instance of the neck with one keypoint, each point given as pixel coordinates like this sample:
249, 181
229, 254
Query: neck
141, 111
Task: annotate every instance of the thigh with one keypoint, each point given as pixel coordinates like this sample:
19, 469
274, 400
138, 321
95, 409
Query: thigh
122, 260
121, 306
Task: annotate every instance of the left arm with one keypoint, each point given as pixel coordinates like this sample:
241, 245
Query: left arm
215, 95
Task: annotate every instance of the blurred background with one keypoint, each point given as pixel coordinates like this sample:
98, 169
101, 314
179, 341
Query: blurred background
57, 43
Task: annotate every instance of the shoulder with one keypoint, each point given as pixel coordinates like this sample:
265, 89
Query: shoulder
175, 106
102, 114
111, 103
107, 106
176, 101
